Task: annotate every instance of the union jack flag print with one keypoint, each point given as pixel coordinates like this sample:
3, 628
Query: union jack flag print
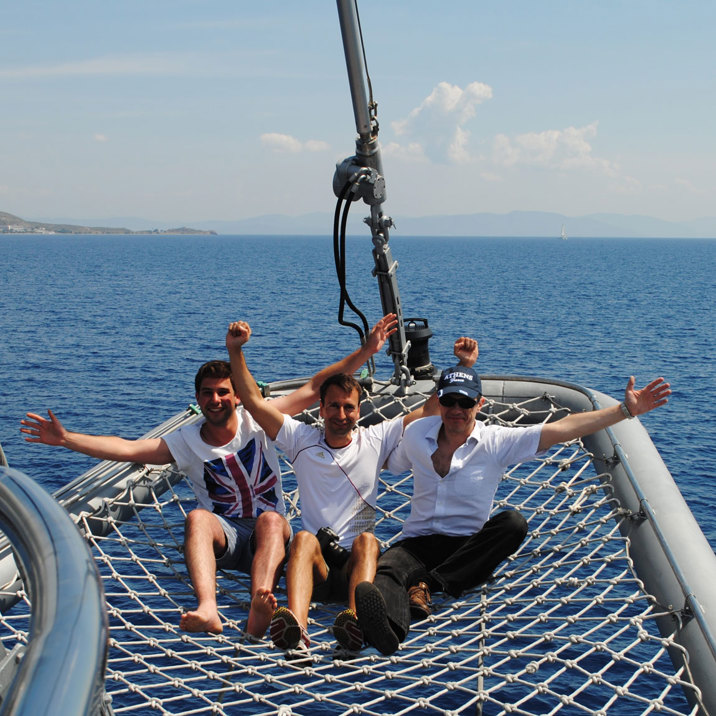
241, 484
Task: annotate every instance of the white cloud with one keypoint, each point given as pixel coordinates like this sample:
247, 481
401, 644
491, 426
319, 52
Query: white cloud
412, 152
627, 185
315, 145
436, 128
458, 149
286, 144
560, 149
281, 142
689, 186
100, 137
438, 131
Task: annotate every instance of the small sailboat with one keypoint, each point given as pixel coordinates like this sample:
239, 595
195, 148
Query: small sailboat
563, 235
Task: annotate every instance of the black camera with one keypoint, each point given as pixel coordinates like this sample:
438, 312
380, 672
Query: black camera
335, 555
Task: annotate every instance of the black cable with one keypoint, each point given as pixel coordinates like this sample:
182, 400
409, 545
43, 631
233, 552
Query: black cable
340, 262
339, 256
349, 302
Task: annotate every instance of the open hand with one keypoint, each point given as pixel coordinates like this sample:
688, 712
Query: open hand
382, 330
649, 397
39, 430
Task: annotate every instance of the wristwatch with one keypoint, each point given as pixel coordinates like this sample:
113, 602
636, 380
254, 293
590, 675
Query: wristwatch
625, 410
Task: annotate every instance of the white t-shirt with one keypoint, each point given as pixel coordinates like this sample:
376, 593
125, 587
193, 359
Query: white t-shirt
338, 487
459, 503
239, 479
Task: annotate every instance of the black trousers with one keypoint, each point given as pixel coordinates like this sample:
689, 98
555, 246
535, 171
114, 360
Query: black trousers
446, 563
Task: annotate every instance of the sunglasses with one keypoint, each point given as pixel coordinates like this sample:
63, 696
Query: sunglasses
449, 401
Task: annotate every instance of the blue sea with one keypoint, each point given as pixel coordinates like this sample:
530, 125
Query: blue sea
107, 331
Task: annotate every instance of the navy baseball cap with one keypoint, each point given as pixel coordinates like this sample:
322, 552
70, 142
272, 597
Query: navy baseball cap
460, 380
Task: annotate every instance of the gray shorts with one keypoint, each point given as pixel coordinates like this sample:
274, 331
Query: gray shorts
240, 543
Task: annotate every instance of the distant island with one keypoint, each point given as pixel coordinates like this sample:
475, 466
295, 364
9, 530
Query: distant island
10, 224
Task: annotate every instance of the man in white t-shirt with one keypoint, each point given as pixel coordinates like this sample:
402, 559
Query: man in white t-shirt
337, 470
449, 541
240, 521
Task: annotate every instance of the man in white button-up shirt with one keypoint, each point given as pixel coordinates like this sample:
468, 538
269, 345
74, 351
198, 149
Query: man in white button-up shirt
450, 543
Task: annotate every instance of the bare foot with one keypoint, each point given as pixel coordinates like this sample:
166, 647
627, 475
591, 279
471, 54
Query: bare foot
200, 620
262, 608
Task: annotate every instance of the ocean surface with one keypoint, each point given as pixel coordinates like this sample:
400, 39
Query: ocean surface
109, 331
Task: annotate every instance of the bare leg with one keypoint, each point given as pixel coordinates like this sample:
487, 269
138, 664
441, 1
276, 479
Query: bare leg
204, 539
272, 533
362, 563
305, 568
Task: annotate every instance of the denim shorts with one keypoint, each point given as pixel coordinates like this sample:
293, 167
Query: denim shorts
240, 543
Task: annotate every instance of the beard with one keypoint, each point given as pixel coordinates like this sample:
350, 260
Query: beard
220, 417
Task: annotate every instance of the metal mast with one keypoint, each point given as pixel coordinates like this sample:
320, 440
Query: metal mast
361, 177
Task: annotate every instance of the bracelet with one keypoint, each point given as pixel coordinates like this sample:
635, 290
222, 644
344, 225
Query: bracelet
625, 410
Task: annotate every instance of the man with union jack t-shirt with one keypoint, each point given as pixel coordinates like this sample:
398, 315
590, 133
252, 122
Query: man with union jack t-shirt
240, 520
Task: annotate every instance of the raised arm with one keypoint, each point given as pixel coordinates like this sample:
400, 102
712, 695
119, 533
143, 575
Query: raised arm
307, 394
264, 412
152, 451
636, 402
466, 351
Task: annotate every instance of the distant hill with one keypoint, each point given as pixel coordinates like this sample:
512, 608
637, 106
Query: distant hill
514, 223
10, 224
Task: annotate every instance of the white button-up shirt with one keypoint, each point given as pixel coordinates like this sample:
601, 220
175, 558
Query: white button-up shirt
459, 503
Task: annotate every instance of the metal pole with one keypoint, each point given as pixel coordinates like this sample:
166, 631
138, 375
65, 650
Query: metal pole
365, 172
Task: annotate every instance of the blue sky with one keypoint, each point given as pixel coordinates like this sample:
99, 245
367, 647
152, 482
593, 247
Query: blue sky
182, 111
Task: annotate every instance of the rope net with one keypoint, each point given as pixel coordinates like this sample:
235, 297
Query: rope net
564, 626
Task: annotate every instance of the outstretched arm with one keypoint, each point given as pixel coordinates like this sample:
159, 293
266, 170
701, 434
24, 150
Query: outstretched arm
466, 351
307, 394
264, 412
577, 425
152, 451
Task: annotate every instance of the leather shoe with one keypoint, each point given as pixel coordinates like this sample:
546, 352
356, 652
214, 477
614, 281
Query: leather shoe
421, 605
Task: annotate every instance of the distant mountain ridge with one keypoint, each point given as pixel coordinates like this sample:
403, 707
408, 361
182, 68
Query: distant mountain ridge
514, 223
11, 224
